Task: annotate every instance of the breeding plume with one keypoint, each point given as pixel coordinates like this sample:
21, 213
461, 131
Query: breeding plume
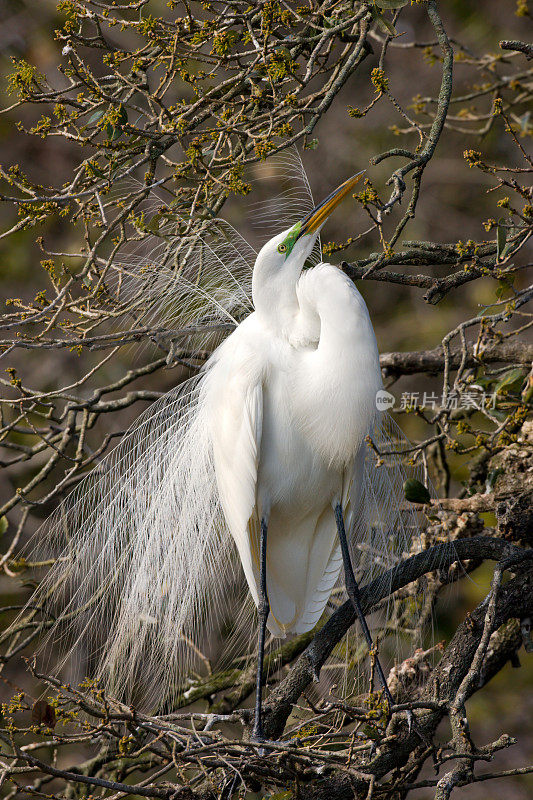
264, 452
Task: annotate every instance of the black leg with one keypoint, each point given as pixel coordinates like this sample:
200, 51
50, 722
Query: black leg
353, 593
264, 610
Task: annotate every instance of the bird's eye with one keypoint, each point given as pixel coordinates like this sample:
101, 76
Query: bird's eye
282, 248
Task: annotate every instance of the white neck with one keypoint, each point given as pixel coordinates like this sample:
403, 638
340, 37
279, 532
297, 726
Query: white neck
275, 299
274, 287
274, 282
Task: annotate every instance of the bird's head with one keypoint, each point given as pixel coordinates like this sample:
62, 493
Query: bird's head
281, 260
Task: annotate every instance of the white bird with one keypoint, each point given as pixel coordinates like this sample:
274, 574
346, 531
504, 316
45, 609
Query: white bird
291, 397
265, 448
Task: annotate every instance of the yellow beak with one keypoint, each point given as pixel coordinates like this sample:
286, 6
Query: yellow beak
321, 212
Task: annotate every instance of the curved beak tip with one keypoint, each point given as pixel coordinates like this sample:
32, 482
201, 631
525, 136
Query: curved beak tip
316, 218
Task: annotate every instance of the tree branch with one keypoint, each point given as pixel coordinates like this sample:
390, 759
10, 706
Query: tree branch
409, 363
515, 599
286, 694
520, 47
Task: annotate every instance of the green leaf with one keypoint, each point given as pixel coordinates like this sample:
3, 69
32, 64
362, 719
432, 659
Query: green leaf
511, 380
96, 116
501, 239
384, 24
112, 132
122, 115
153, 225
415, 491
4, 525
484, 380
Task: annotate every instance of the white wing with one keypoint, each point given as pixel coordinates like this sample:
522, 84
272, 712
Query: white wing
234, 395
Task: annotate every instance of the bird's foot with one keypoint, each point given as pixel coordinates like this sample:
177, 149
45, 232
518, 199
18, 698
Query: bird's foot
258, 738
413, 726
265, 745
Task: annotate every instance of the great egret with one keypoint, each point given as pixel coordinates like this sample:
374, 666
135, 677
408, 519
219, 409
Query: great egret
264, 449
292, 395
